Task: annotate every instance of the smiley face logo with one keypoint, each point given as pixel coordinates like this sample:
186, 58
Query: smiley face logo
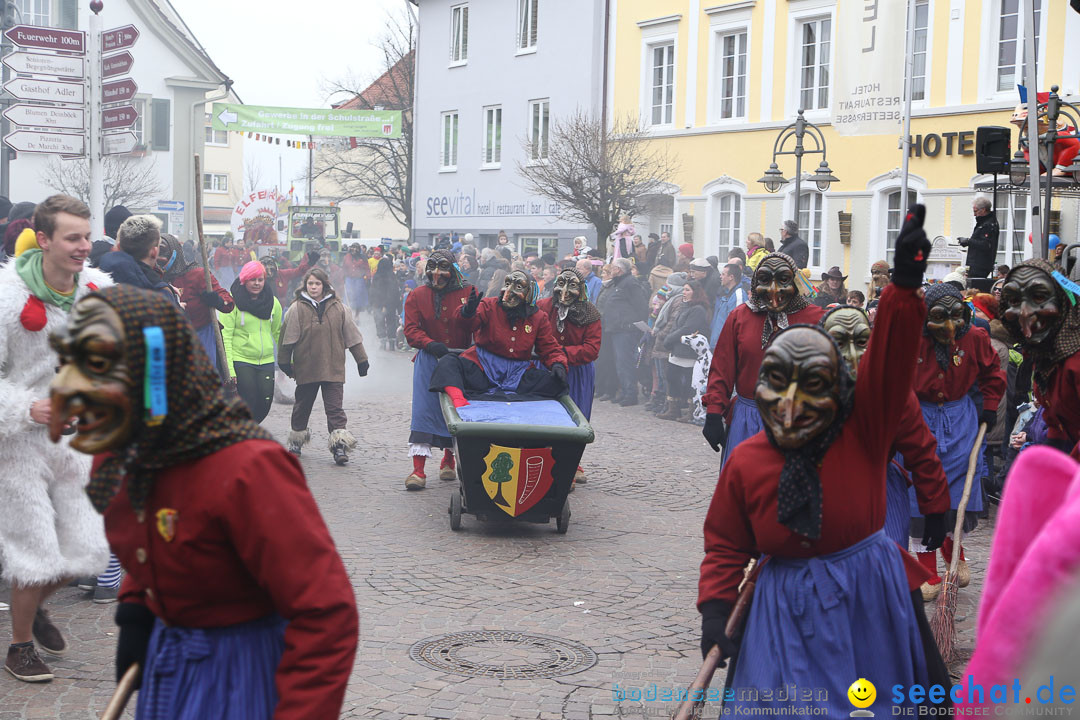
862, 693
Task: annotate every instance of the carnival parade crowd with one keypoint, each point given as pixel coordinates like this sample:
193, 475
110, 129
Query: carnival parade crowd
846, 418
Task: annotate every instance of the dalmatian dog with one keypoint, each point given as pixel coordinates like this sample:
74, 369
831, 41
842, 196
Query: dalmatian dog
700, 380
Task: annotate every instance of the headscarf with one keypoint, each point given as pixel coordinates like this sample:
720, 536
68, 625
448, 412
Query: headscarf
172, 262
582, 312
934, 293
200, 421
456, 281
775, 321
1066, 342
798, 497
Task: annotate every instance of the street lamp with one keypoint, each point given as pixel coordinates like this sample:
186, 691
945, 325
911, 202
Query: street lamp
1018, 168
773, 179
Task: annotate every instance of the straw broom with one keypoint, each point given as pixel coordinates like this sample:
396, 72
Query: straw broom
943, 623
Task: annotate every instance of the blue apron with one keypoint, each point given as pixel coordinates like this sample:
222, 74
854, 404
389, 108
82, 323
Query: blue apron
897, 510
582, 382
821, 623
212, 673
954, 425
427, 414
503, 373
745, 423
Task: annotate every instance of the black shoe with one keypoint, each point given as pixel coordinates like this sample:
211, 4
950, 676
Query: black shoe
340, 456
628, 402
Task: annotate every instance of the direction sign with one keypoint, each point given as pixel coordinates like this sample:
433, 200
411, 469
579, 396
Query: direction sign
123, 116
39, 64
49, 90
119, 143
306, 121
44, 142
47, 116
119, 38
47, 38
118, 90
119, 64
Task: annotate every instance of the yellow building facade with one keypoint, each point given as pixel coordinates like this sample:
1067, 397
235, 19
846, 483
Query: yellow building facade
717, 80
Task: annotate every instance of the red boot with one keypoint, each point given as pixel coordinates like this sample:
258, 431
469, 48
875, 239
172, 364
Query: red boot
417, 480
447, 470
932, 587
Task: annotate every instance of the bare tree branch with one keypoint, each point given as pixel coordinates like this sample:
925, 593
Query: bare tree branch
132, 182
596, 174
377, 168
252, 175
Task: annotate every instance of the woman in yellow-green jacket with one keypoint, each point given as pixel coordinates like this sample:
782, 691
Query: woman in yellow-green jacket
250, 334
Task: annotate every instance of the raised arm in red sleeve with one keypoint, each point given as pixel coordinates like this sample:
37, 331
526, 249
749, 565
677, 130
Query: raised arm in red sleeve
729, 539
991, 379
918, 446
290, 274
278, 532
547, 347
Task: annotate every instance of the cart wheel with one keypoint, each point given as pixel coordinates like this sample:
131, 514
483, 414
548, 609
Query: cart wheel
562, 523
455, 511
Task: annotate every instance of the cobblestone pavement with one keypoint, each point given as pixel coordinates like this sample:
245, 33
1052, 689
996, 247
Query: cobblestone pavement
622, 581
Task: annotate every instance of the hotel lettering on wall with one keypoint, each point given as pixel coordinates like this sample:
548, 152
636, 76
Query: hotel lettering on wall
933, 145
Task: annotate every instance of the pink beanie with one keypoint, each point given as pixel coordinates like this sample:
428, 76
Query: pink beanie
253, 269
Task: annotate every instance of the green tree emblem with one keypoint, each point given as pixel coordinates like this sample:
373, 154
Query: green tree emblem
500, 473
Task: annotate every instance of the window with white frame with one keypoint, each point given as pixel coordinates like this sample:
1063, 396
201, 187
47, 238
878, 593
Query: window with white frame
526, 38
1010, 42
894, 219
662, 83
543, 245
731, 74
811, 228
215, 137
142, 121
215, 182
1012, 239
459, 33
918, 73
448, 155
815, 45
34, 12
727, 213
492, 145
539, 129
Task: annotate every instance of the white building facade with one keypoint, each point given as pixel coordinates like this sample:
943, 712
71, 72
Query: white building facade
176, 82
492, 77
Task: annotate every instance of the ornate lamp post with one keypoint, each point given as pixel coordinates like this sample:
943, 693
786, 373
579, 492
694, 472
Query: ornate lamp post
773, 179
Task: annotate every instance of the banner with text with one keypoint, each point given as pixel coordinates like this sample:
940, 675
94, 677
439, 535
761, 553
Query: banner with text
868, 95
306, 121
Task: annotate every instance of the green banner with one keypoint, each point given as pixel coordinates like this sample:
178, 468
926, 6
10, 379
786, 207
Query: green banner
306, 121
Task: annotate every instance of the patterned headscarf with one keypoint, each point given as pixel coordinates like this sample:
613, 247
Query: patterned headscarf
172, 261
934, 293
200, 421
1066, 342
456, 282
775, 321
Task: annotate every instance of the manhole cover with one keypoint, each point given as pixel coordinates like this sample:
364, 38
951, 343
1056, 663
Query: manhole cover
497, 654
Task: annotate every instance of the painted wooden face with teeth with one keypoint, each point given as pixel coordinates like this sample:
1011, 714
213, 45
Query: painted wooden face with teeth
517, 289
773, 284
438, 271
798, 389
850, 330
568, 288
945, 319
1032, 302
94, 384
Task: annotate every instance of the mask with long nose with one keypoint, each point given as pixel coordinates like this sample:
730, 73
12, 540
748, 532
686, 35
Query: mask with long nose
850, 330
773, 284
798, 389
94, 383
1033, 306
517, 291
946, 319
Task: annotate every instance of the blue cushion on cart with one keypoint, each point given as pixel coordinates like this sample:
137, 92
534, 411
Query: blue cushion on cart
530, 412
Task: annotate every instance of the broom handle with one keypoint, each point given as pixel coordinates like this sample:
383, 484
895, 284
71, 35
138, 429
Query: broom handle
124, 690
973, 461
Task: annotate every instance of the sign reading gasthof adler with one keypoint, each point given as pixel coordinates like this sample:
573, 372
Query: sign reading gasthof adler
868, 95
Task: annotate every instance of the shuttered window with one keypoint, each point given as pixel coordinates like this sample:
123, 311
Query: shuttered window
161, 122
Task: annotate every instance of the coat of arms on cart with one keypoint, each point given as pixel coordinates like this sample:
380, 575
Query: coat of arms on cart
516, 478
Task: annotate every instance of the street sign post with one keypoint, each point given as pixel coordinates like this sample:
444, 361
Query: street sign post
48, 90
40, 64
47, 116
123, 116
47, 38
33, 141
119, 38
118, 143
118, 91
306, 121
118, 64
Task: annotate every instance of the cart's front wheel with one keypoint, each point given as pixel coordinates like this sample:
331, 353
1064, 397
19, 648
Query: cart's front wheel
562, 523
455, 511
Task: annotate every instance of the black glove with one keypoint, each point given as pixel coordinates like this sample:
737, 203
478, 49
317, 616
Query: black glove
933, 531
136, 622
912, 250
285, 368
559, 371
963, 241
714, 618
437, 349
473, 302
988, 418
714, 431
313, 258
212, 299
362, 367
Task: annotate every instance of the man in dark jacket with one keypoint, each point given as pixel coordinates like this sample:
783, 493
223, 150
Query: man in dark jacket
114, 218
661, 253
624, 303
983, 244
792, 245
134, 262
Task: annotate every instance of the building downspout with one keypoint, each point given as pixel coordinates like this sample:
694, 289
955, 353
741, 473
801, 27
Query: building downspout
416, 95
198, 109
604, 80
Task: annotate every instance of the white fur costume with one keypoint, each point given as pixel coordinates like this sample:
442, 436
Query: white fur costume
48, 529
700, 379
